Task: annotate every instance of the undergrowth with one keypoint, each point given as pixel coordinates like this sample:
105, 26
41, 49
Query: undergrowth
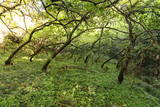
69, 84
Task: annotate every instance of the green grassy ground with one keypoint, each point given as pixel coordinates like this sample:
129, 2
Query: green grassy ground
24, 85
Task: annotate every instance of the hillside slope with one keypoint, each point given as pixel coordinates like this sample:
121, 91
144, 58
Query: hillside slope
69, 84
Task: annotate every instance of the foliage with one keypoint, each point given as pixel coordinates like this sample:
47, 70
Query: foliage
75, 48
70, 87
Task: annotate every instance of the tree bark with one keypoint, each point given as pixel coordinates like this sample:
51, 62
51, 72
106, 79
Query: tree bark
8, 61
45, 66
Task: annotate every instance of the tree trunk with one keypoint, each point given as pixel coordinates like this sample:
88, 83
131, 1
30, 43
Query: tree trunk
45, 66
8, 61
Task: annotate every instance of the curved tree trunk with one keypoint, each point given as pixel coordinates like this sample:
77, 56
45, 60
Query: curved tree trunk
35, 53
69, 40
8, 61
124, 66
45, 66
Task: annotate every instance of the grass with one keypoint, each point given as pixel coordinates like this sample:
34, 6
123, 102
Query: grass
24, 85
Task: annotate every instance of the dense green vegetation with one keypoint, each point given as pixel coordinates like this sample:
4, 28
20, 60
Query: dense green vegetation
23, 84
80, 53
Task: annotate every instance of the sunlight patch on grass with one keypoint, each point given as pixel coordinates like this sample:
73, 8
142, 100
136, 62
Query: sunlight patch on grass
36, 59
39, 59
24, 57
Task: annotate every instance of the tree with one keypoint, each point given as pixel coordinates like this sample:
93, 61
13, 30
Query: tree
69, 20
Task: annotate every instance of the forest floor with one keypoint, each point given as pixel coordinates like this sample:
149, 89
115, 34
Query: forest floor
68, 84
